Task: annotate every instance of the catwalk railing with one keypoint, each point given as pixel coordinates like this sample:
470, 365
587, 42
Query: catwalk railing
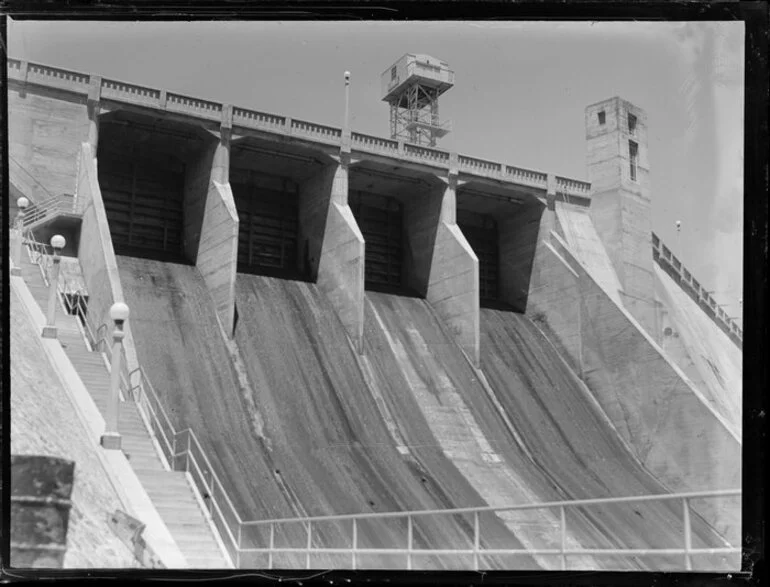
117, 91
692, 287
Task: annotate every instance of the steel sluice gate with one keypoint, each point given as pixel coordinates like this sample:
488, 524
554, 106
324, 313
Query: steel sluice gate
268, 234
481, 234
144, 200
380, 220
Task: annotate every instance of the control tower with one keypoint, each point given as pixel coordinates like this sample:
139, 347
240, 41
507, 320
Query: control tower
412, 86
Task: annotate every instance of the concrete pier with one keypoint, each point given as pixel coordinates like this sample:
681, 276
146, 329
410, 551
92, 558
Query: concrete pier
443, 266
211, 225
334, 244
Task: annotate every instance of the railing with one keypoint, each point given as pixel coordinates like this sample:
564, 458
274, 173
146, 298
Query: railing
316, 131
573, 187
526, 176
40, 255
37, 213
478, 165
255, 119
667, 260
153, 98
426, 154
374, 144
58, 78
116, 90
304, 541
194, 106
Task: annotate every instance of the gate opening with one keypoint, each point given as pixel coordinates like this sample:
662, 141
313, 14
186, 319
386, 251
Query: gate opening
481, 232
268, 212
142, 165
381, 220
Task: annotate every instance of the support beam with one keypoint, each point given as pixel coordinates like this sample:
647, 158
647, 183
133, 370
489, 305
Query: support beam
333, 246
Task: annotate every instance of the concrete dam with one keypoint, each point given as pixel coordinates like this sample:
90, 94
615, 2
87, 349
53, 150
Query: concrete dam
348, 351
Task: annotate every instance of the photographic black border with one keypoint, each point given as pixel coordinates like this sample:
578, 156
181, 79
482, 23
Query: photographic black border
755, 382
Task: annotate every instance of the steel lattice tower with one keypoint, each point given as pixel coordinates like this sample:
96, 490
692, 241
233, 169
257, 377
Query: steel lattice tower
411, 87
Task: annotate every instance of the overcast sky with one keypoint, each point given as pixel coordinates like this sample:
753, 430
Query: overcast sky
519, 97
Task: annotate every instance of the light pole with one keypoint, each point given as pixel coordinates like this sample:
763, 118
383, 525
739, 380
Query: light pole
57, 243
346, 134
347, 99
18, 225
678, 230
111, 437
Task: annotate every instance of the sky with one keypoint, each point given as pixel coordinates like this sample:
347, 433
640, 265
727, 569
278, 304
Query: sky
519, 96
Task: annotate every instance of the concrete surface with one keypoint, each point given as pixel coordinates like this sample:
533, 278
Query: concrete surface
196, 189
441, 264
518, 235
668, 423
85, 379
335, 245
302, 427
701, 349
577, 447
44, 136
44, 421
621, 206
217, 256
575, 226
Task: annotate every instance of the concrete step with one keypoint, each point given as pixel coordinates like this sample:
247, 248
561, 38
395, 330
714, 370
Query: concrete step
136, 440
82, 353
138, 457
175, 479
177, 505
208, 563
145, 464
200, 536
209, 549
183, 526
138, 453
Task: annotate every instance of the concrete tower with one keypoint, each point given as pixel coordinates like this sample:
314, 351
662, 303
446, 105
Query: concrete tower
619, 171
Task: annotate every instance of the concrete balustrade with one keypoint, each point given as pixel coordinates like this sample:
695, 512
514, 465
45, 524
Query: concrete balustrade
669, 263
117, 93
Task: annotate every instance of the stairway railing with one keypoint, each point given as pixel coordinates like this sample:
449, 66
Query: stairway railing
183, 452
35, 214
40, 254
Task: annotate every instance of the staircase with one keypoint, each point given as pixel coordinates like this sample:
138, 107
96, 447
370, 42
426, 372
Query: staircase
170, 491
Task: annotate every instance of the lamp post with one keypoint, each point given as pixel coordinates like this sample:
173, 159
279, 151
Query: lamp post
18, 226
111, 437
346, 134
57, 243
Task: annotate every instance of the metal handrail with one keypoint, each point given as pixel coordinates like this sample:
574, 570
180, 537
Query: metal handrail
39, 255
477, 551
42, 210
528, 506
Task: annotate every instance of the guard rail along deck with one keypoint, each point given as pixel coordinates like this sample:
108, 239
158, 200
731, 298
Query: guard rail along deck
116, 91
181, 451
673, 266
